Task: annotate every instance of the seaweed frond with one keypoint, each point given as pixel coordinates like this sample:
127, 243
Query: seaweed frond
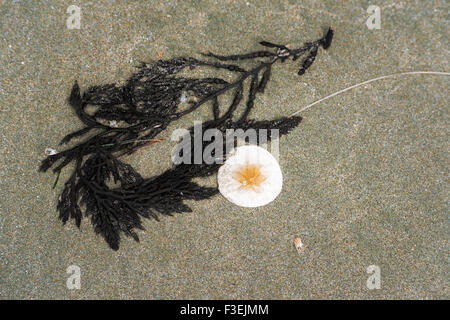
131, 116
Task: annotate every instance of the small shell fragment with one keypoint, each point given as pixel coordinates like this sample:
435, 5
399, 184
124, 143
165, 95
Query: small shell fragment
299, 245
50, 151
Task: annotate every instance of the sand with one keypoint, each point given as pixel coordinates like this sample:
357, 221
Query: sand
365, 174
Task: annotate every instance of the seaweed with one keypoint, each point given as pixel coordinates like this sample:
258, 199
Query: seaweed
128, 117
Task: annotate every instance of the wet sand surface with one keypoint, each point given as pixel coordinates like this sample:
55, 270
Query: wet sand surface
366, 174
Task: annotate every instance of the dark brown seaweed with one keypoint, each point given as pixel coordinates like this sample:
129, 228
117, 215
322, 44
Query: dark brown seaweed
131, 116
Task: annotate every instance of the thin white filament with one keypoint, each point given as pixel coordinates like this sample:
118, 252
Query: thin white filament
369, 81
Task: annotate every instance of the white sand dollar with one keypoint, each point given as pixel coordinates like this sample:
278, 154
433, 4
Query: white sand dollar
250, 177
